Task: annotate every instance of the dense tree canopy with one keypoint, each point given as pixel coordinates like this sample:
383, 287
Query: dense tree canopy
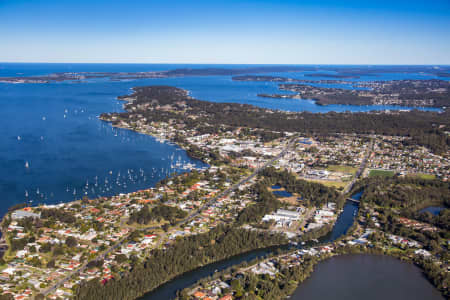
404, 192
160, 212
425, 128
187, 254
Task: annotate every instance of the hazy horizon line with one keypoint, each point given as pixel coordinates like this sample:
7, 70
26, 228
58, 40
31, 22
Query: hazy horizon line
216, 63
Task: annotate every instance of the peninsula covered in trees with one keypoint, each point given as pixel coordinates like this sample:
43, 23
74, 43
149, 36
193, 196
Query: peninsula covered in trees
432, 93
175, 106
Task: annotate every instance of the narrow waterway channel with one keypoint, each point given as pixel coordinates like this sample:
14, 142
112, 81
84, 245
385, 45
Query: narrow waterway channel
169, 289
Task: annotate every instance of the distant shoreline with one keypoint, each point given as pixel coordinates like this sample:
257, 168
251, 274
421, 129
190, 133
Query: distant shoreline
340, 72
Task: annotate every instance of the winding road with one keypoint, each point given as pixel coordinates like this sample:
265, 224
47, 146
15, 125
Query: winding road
235, 186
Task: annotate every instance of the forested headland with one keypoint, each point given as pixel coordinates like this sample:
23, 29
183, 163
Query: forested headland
173, 105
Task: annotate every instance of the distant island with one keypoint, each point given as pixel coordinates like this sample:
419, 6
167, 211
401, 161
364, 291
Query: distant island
115, 76
340, 73
412, 93
289, 79
335, 75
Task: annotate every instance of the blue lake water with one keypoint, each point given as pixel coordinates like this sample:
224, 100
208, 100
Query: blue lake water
54, 130
364, 276
282, 194
435, 210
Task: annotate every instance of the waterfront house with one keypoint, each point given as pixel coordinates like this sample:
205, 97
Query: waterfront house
21, 214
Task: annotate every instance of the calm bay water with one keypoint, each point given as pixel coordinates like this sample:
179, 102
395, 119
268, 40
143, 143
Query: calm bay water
53, 147
435, 210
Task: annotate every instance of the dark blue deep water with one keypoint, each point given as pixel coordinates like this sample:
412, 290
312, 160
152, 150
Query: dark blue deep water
369, 277
282, 194
435, 210
54, 130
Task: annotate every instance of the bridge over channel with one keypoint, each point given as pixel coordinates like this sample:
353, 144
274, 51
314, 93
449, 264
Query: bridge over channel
353, 200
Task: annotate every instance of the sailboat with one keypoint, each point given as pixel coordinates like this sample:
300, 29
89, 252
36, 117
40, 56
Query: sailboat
27, 165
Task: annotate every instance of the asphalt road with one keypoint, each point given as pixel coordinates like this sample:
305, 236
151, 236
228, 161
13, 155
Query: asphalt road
361, 168
184, 221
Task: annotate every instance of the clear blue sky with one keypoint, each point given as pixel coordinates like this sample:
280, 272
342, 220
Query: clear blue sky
190, 31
